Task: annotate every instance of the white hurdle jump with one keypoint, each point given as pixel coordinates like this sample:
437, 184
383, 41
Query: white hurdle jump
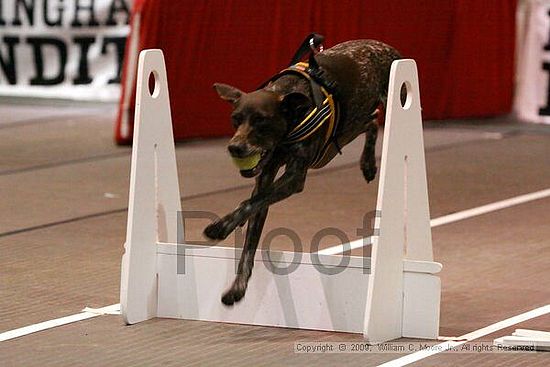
395, 294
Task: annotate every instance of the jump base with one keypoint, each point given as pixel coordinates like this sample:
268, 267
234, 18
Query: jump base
333, 295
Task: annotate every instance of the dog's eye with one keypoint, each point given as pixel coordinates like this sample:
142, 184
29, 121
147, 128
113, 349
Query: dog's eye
258, 120
236, 120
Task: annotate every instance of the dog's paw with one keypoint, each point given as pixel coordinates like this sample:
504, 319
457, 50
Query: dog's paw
369, 173
217, 231
232, 296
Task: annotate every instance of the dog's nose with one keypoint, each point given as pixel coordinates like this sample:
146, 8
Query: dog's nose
237, 150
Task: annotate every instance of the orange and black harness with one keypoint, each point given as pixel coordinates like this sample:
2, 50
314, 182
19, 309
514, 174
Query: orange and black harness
326, 110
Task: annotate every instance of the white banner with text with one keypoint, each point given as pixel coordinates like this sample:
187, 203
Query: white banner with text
70, 49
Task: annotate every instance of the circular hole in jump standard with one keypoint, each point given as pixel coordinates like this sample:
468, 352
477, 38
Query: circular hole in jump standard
406, 95
153, 84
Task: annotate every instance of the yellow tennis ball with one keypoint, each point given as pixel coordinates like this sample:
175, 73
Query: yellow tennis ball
247, 163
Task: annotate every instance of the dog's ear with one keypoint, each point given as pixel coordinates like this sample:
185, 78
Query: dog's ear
227, 92
295, 105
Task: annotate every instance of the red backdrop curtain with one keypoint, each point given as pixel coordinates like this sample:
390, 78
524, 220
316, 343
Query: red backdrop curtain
464, 50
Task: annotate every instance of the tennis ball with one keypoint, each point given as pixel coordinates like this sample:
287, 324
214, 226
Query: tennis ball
247, 163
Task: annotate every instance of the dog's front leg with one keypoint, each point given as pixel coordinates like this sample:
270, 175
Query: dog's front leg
291, 182
246, 262
253, 234
263, 196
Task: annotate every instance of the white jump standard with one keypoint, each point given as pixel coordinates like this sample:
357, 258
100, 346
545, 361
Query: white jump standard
394, 294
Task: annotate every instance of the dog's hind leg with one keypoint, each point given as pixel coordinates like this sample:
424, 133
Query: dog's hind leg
253, 234
368, 160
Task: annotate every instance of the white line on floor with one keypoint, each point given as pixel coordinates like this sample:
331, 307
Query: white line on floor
446, 219
338, 249
521, 199
415, 357
87, 313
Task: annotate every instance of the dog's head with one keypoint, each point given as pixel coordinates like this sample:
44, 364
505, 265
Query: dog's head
261, 120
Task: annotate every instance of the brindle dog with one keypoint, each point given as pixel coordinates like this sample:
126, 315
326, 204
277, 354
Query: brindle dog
263, 118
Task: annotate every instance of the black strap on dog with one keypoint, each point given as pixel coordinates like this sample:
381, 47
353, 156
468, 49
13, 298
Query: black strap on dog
310, 45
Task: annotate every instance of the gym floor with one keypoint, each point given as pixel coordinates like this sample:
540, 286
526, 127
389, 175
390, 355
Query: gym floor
64, 192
